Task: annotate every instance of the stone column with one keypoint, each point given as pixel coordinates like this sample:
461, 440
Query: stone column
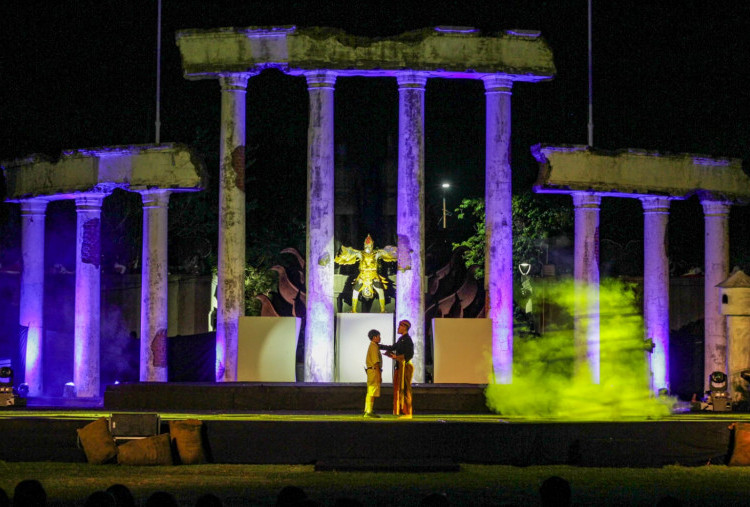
87, 297
31, 304
499, 224
656, 286
716, 219
231, 254
586, 276
319, 333
154, 287
409, 216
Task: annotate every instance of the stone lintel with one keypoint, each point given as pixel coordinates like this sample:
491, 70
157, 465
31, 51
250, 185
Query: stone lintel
171, 166
639, 173
448, 52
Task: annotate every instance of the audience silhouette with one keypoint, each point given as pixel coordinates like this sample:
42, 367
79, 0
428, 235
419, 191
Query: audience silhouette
555, 492
100, 499
122, 494
162, 499
290, 495
29, 493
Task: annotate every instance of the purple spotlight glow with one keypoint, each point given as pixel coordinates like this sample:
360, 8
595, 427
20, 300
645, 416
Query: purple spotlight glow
456, 29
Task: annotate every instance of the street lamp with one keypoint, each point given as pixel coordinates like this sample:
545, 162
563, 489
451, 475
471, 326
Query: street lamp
445, 187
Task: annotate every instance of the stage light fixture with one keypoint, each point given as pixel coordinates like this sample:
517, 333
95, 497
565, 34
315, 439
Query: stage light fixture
7, 395
720, 401
69, 391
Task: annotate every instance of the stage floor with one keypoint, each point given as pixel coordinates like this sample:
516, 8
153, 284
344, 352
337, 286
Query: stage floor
322, 424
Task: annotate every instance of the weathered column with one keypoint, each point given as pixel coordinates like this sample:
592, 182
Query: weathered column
656, 286
231, 254
154, 287
87, 297
586, 276
319, 333
499, 224
716, 219
409, 215
31, 311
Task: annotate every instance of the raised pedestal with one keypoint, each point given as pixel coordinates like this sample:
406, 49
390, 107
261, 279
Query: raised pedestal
352, 343
266, 350
462, 351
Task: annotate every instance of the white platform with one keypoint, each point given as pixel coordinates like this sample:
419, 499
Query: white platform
352, 343
462, 351
267, 347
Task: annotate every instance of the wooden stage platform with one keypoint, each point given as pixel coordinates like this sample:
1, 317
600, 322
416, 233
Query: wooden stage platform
322, 424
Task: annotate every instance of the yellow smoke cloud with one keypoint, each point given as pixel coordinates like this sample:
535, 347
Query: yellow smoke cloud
548, 382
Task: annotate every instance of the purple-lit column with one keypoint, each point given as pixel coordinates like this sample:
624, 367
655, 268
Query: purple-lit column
586, 276
231, 254
87, 298
410, 218
154, 287
656, 286
31, 311
716, 220
499, 224
319, 333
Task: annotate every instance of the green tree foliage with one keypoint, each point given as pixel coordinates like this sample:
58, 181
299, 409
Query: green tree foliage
536, 219
257, 281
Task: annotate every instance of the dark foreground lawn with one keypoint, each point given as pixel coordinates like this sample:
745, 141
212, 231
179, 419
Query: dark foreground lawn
243, 485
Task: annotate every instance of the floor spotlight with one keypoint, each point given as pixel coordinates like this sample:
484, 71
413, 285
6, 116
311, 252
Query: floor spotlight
8, 397
717, 382
69, 391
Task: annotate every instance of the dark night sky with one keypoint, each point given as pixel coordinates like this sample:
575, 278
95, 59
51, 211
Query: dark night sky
668, 76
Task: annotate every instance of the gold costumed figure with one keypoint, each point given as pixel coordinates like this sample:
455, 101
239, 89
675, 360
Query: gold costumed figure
369, 282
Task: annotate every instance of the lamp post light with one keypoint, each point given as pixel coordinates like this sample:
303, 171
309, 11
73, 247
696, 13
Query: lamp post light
524, 268
445, 186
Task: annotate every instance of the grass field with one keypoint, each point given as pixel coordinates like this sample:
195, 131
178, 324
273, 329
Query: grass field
246, 485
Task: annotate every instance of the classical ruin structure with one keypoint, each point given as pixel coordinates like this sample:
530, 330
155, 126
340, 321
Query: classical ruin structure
655, 179
234, 55
88, 176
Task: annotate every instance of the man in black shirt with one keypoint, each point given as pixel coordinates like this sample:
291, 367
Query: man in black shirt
402, 351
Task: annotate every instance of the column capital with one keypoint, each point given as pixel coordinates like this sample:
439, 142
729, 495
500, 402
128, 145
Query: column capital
236, 81
497, 83
155, 198
655, 204
411, 79
89, 201
320, 79
33, 207
586, 200
715, 208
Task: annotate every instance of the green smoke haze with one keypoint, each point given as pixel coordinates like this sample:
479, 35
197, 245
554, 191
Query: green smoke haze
548, 382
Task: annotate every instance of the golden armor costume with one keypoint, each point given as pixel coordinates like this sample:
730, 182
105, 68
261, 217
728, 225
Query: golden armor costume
369, 282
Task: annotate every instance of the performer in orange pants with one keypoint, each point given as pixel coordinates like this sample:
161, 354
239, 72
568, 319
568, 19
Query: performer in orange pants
402, 351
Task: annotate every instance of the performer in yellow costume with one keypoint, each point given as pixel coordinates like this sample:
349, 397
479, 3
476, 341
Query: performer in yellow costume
373, 368
369, 282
